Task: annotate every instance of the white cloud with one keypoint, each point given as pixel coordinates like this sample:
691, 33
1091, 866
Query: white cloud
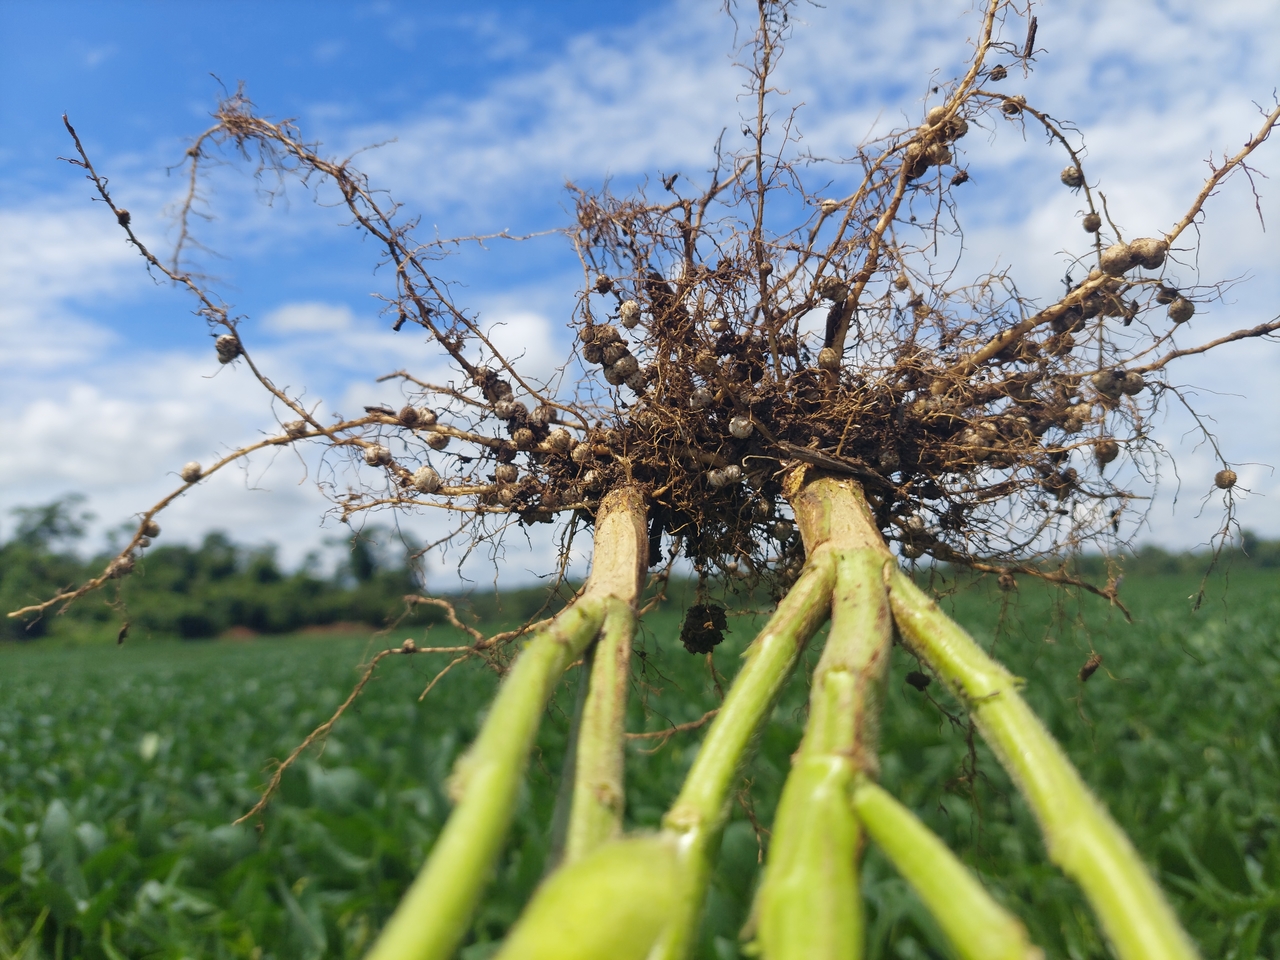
54, 265
309, 318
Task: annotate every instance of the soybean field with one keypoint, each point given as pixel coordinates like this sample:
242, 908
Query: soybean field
122, 769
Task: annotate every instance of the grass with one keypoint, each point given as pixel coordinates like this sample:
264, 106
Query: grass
122, 769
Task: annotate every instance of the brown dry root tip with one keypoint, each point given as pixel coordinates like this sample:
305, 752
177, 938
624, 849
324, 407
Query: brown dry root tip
1072, 177
1225, 479
228, 347
191, 472
1092, 223
1181, 310
376, 455
151, 529
438, 441
1090, 667
1105, 450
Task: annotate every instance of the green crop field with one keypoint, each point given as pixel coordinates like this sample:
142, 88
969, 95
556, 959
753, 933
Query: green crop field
122, 769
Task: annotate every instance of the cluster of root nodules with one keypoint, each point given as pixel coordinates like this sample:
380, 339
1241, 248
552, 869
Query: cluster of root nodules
723, 369
713, 354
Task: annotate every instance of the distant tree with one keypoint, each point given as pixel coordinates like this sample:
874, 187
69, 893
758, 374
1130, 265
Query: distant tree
198, 592
36, 560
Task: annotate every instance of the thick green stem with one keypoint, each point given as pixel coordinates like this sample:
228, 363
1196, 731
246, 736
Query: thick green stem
598, 791
809, 905
696, 818
569, 769
436, 911
977, 926
610, 904
1079, 834
857, 653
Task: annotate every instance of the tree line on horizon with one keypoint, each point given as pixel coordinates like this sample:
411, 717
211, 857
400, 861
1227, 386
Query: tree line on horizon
196, 592
205, 590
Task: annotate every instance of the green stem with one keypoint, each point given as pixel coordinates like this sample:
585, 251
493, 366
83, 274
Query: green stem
977, 926
1080, 836
857, 653
809, 905
598, 792
610, 904
569, 769
697, 817
436, 911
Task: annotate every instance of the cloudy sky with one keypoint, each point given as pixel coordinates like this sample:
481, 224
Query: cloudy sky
483, 110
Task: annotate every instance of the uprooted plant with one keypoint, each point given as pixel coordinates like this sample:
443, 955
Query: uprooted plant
776, 386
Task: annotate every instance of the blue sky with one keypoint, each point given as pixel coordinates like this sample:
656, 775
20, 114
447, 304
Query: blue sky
107, 383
